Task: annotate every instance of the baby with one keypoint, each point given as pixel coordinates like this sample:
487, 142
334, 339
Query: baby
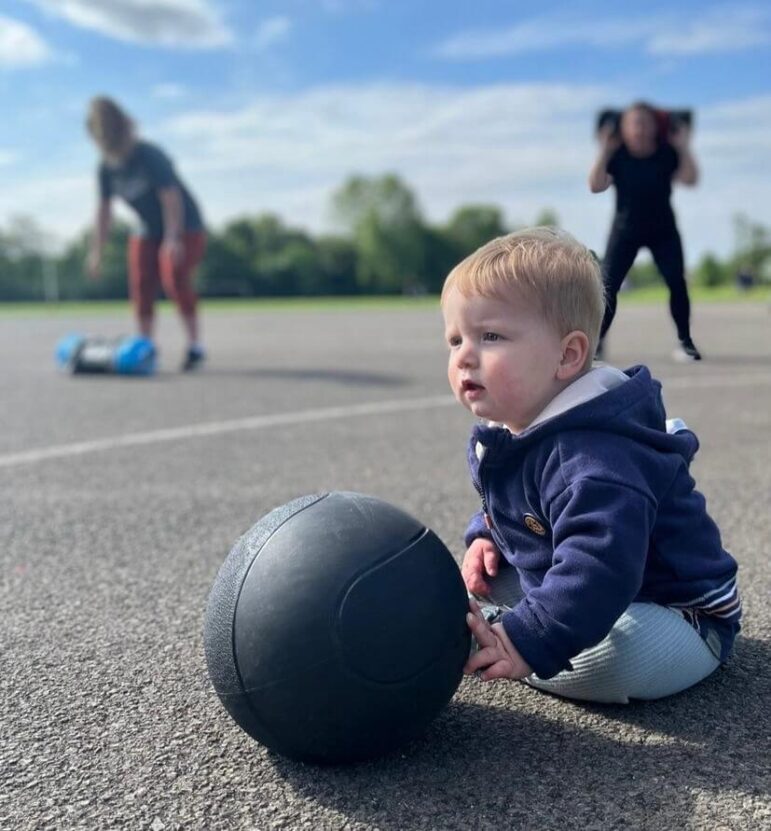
603, 577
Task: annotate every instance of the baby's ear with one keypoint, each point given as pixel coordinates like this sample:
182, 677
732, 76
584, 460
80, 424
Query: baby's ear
575, 351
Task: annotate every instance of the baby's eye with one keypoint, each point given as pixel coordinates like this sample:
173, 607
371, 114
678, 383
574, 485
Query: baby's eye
453, 340
491, 337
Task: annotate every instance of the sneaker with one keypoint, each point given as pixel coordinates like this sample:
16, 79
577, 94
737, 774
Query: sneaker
193, 358
686, 351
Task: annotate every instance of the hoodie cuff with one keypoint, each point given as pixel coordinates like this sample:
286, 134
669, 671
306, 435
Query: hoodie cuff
531, 640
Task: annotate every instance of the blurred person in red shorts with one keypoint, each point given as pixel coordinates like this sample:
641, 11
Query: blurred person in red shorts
171, 240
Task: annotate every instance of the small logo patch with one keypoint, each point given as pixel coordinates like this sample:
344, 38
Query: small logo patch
534, 525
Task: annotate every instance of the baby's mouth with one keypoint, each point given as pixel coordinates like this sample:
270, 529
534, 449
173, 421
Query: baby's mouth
470, 386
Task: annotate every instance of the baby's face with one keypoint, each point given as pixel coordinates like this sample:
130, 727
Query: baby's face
503, 357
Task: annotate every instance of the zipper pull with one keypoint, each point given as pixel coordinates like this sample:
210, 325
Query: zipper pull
488, 521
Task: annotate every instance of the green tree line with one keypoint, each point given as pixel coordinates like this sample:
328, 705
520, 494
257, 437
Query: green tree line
384, 246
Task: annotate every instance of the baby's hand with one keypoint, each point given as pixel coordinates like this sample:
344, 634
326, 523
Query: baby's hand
481, 561
497, 657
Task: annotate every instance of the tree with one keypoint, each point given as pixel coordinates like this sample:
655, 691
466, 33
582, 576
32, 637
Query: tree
223, 272
386, 248
711, 272
384, 220
753, 246
257, 256
442, 255
549, 217
260, 256
113, 283
25, 258
474, 225
337, 258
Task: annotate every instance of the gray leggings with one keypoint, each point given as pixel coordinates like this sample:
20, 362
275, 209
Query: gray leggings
651, 652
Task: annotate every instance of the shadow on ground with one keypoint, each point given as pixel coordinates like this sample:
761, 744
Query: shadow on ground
567, 765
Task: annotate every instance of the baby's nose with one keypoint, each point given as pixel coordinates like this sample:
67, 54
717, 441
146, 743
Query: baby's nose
466, 356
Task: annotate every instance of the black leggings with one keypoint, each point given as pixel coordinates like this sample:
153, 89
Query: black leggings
667, 251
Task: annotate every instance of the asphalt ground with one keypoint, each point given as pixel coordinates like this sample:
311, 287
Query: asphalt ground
117, 508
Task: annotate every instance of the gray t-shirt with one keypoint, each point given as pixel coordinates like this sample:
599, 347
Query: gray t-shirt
137, 181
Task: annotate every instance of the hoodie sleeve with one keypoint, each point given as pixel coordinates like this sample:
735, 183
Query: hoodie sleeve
601, 532
477, 528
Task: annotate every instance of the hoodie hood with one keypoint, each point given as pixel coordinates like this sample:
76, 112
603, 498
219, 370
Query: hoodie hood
631, 408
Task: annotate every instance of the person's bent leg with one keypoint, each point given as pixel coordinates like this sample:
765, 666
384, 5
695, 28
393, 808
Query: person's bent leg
667, 251
620, 255
650, 653
144, 281
177, 279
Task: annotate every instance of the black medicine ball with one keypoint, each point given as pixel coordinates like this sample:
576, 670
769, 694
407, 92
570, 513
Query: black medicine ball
335, 630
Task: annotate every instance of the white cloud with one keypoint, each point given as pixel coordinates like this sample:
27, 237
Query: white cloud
733, 145
184, 24
168, 91
43, 197
541, 34
8, 157
335, 129
272, 31
522, 146
721, 31
718, 30
21, 46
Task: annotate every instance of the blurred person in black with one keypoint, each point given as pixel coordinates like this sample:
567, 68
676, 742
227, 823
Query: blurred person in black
641, 158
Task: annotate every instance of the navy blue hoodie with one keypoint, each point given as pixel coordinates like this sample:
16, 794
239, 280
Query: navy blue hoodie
596, 509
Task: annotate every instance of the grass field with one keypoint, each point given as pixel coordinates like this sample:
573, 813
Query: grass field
655, 294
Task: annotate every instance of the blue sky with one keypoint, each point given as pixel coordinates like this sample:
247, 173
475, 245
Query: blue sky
269, 105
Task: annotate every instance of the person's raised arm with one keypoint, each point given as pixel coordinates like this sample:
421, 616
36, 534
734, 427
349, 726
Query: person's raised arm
173, 217
101, 230
599, 178
687, 172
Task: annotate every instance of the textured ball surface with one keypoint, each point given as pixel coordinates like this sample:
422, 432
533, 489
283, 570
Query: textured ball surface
335, 629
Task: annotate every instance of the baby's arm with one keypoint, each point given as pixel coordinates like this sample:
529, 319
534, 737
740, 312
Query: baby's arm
601, 533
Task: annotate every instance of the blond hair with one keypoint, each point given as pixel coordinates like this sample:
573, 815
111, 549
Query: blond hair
549, 267
110, 127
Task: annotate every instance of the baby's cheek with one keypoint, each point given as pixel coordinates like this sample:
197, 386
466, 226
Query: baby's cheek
500, 383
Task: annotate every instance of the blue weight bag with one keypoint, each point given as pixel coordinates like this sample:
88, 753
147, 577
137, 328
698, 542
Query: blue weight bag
125, 355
